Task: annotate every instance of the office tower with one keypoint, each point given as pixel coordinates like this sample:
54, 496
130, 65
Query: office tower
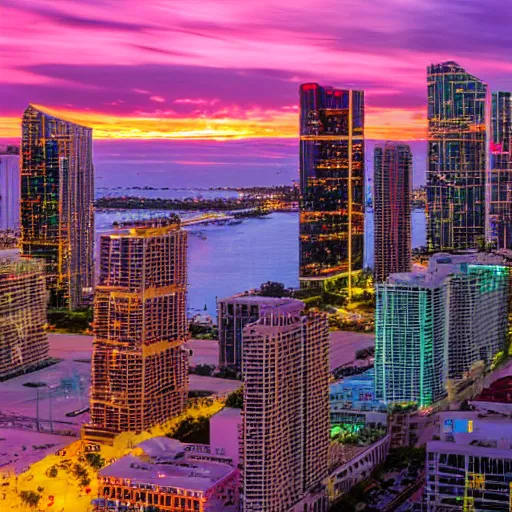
392, 209
23, 339
57, 191
411, 339
285, 420
500, 175
9, 188
456, 158
331, 184
469, 467
234, 313
139, 368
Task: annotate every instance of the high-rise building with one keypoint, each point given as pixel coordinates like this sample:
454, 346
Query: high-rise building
331, 184
411, 339
57, 192
285, 419
500, 175
457, 153
234, 313
139, 368
392, 180
436, 325
9, 188
23, 299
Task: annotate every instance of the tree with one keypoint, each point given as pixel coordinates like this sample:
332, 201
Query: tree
236, 399
273, 289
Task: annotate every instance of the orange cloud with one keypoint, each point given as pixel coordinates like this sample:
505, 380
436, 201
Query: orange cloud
381, 123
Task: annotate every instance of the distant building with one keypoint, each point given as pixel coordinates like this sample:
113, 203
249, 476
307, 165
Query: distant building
500, 175
23, 299
435, 325
139, 368
285, 420
9, 188
234, 313
457, 151
57, 192
164, 474
331, 184
392, 209
470, 467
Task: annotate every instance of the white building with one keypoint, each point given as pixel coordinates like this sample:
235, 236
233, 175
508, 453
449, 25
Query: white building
9, 188
470, 467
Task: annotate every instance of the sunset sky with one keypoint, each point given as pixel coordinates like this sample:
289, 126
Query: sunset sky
231, 68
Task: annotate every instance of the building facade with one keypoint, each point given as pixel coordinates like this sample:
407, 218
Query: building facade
411, 339
392, 178
469, 469
439, 324
166, 475
500, 175
233, 314
285, 420
57, 192
457, 158
331, 184
23, 298
9, 188
139, 368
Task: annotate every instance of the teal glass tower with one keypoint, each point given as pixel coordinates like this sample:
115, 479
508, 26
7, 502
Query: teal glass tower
457, 152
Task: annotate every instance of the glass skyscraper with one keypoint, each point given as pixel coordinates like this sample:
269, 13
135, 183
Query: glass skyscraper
457, 149
500, 176
392, 177
57, 217
331, 183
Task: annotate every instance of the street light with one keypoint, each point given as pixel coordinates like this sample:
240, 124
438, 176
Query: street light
36, 385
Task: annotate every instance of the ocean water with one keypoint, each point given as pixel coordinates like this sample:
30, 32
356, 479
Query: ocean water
223, 260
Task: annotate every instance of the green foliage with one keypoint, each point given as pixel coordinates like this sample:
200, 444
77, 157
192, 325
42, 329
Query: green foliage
95, 460
206, 370
273, 289
362, 437
203, 332
227, 373
30, 498
76, 322
192, 430
236, 399
364, 353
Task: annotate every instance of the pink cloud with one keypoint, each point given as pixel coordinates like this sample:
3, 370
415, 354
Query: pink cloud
157, 99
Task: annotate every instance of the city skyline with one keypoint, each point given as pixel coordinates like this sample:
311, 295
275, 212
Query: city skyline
158, 77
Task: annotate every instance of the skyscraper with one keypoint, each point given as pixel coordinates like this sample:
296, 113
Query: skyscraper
500, 175
285, 420
411, 339
331, 184
23, 339
392, 209
234, 313
57, 190
9, 188
139, 368
456, 158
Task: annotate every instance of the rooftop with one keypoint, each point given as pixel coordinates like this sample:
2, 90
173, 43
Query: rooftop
168, 463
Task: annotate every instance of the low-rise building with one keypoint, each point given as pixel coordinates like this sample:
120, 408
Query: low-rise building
170, 477
470, 467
